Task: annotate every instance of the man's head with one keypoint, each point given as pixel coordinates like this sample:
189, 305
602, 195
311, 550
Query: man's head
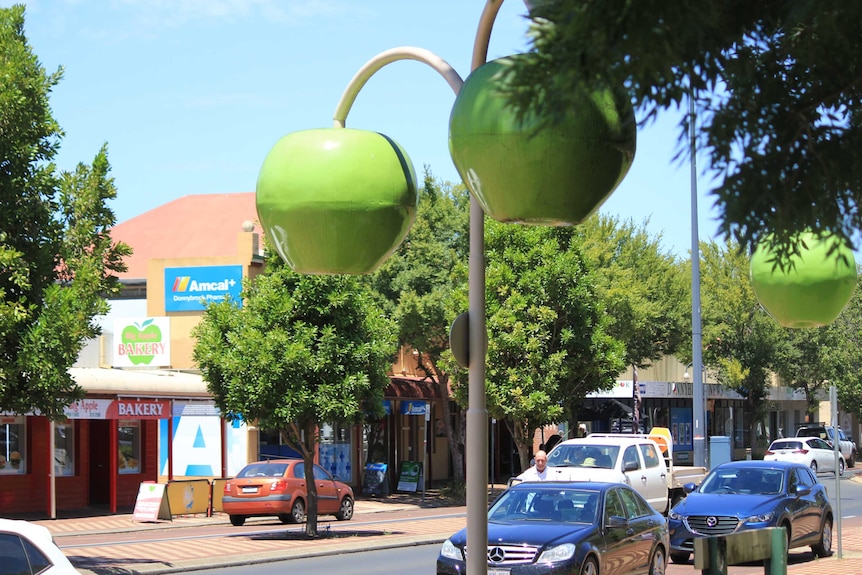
541, 460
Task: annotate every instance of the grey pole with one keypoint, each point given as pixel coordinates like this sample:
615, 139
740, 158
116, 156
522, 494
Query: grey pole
833, 408
699, 414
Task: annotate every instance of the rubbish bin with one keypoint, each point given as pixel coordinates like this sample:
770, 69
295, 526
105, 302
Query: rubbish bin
719, 450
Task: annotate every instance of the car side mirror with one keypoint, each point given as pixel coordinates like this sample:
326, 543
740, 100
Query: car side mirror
631, 466
689, 487
616, 521
800, 491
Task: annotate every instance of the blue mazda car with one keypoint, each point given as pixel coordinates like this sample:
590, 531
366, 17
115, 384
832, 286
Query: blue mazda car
742, 495
540, 528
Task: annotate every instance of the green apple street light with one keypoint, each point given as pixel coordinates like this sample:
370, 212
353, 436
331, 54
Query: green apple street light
340, 200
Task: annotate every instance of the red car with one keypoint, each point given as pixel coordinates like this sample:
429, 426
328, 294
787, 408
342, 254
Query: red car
277, 487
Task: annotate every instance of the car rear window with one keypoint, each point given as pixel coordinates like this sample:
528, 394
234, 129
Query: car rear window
263, 470
786, 445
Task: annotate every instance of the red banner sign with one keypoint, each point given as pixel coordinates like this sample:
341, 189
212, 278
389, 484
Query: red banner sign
139, 409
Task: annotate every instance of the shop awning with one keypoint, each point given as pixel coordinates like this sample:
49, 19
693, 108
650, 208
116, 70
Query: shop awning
161, 383
411, 388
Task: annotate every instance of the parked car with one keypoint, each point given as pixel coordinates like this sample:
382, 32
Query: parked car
29, 548
278, 487
643, 461
741, 495
827, 433
810, 451
562, 527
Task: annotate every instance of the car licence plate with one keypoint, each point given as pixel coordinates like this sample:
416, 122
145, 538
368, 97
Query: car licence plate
249, 489
498, 571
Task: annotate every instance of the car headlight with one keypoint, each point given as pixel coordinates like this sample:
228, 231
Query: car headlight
558, 553
674, 515
450, 551
762, 518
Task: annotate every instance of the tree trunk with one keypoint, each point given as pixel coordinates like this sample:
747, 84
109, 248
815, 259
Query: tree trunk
522, 442
306, 447
454, 436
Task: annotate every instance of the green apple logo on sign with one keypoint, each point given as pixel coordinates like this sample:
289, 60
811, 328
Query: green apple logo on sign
141, 342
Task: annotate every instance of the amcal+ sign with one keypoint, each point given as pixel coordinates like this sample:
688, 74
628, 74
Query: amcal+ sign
139, 409
191, 289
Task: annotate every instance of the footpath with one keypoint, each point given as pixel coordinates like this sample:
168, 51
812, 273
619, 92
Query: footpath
114, 544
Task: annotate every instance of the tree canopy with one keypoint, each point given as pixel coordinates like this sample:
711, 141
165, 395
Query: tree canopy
302, 350
777, 87
547, 329
417, 284
740, 339
57, 258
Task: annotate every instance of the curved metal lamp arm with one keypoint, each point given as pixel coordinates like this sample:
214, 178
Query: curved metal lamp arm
381, 60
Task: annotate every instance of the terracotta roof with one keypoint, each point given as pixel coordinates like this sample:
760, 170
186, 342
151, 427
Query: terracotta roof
199, 225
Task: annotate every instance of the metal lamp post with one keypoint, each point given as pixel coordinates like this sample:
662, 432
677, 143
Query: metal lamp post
340, 201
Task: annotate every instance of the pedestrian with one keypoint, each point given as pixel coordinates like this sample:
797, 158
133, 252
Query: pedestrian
539, 471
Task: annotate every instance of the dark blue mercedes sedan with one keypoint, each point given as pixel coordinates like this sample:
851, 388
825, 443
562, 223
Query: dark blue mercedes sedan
742, 495
565, 528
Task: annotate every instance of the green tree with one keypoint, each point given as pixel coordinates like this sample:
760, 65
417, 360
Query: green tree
777, 86
644, 289
417, 284
848, 352
810, 360
740, 339
57, 258
301, 351
547, 330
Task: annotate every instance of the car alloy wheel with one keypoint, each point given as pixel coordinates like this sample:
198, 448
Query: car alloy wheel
297, 512
346, 510
824, 546
590, 566
658, 564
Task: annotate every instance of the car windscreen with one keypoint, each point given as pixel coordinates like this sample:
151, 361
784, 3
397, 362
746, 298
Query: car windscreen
581, 455
546, 504
263, 470
743, 480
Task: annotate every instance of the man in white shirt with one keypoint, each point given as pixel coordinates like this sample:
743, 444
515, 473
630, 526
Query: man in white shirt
539, 472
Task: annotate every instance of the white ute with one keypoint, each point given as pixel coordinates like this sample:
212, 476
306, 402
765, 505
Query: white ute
643, 461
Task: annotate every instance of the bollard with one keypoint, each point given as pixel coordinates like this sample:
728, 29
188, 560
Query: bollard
748, 454
712, 555
776, 564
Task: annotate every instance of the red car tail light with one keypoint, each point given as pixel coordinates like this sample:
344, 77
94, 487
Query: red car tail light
227, 488
769, 452
802, 451
279, 485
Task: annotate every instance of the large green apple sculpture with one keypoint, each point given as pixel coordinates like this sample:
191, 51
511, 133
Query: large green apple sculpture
336, 200
812, 290
556, 176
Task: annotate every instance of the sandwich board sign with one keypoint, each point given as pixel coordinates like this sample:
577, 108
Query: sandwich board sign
152, 503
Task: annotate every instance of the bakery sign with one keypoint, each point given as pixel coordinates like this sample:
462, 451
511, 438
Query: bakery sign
142, 342
119, 409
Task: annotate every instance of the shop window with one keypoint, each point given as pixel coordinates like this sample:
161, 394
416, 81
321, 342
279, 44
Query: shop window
13, 457
129, 436
64, 449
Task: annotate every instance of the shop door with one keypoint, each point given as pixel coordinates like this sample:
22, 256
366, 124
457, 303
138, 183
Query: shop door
100, 464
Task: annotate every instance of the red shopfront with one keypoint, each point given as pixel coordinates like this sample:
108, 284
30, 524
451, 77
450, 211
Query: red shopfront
97, 457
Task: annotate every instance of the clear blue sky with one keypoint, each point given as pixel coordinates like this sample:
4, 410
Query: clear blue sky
191, 94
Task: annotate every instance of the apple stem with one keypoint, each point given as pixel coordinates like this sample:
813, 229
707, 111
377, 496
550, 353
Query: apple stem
387, 57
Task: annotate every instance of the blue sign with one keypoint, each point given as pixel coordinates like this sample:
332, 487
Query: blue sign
414, 407
192, 289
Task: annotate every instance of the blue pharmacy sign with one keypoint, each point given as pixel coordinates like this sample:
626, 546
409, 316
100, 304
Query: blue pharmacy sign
414, 407
192, 289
